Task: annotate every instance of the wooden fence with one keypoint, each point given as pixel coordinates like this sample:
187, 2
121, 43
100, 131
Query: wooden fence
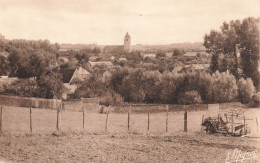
126, 120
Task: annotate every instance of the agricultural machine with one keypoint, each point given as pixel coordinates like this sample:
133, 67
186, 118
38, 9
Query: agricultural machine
231, 121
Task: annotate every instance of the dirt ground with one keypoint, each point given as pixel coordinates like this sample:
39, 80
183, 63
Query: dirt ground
124, 147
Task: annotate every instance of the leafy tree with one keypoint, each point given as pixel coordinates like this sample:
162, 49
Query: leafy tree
50, 85
224, 87
189, 97
160, 54
13, 59
23, 87
96, 50
178, 52
233, 37
213, 44
82, 58
246, 90
249, 46
204, 87
4, 66
168, 88
117, 79
151, 86
132, 87
91, 88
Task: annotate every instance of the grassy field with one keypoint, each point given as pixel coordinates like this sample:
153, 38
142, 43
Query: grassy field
16, 120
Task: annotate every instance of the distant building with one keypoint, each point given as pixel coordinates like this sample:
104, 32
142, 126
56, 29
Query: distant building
191, 68
190, 54
169, 54
106, 76
150, 55
177, 70
127, 43
70, 75
107, 64
122, 59
80, 74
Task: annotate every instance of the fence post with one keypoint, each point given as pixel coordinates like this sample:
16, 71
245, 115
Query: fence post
148, 125
167, 107
31, 119
83, 117
256, 125
128, 122
1, 118
232, 123
201, 129
185, 121
58, 117
107, 118
244, 123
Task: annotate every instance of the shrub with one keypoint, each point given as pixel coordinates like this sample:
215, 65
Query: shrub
224, 87
189, 97
112, 98
93, 87
255, 100
246, 90
168, 89
22, 87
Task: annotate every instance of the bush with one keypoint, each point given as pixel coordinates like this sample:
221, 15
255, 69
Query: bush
22, 87
224, 87
112, 98
246, 90
189, 97
255, 100
93, 87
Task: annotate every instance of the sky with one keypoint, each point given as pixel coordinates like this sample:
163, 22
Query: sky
106, 22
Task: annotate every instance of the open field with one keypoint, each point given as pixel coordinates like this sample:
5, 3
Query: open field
16, 120
93, 144
89, 147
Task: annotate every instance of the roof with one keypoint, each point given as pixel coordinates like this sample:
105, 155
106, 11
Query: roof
127, 35
82, 71
190, 54
93, 58
67, 74
177, 69
80, 74
200, 66
122, 59
169, 54
101, 63
151, 55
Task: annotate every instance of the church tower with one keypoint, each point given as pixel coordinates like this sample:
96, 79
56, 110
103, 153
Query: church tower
127, 43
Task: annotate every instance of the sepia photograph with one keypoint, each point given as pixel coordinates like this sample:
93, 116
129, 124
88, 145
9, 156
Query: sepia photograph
141, 81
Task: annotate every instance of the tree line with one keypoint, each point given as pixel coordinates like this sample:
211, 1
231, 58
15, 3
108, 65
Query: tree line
138, 85
235, 47
35, 64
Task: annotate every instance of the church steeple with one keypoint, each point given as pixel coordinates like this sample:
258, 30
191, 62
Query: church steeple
127, 43
127, 35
